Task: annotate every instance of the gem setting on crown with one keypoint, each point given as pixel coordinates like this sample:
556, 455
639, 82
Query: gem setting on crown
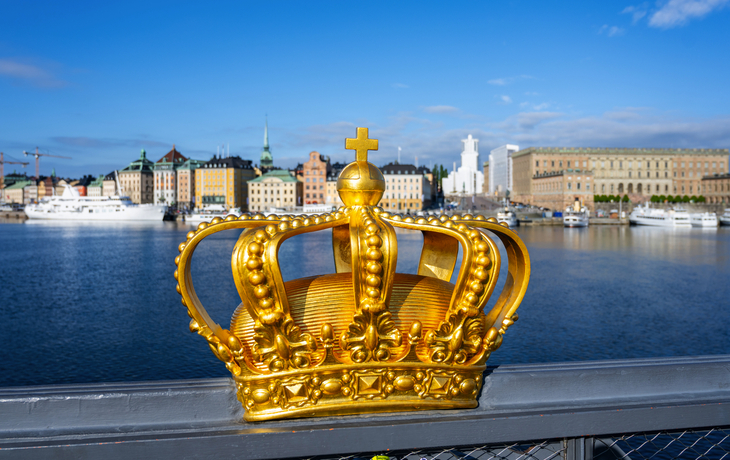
364, 339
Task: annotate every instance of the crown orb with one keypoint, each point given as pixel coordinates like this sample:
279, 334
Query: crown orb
361, 184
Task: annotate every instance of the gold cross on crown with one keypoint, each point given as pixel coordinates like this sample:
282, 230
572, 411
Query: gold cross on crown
361, 144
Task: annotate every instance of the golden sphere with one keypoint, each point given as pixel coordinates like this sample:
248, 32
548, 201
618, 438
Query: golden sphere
361, 184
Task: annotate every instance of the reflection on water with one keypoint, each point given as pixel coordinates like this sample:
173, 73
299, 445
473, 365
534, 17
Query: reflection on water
86, 302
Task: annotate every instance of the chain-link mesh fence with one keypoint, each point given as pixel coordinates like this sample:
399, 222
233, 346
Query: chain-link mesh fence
689, 444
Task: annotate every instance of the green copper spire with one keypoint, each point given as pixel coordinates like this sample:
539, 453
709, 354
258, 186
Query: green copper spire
267, 160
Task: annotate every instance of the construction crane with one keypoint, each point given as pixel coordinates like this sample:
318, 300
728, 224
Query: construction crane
2, 167
37, 157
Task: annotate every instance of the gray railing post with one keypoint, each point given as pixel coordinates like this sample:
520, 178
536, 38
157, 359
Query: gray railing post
579, 448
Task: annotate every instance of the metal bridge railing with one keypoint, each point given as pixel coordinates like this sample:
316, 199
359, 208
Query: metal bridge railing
630, 409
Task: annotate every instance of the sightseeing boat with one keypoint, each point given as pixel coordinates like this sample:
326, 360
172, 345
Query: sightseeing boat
72, 206
703, 219
644, 215
508, 216
725, 217
575, 216
210, 212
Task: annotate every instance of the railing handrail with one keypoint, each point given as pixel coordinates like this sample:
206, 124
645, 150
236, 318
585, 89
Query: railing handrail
518, 403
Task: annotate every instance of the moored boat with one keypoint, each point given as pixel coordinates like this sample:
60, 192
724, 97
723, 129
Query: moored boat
210, 212
644, 215
703, 219
72, 206
575, 216
508, 216
725, 217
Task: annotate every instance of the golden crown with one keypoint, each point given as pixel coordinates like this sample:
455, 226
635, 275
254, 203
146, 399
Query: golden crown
364, 339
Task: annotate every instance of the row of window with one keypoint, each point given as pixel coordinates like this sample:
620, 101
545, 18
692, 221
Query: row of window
611, 164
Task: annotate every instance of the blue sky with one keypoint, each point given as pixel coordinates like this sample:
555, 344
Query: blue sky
98, 81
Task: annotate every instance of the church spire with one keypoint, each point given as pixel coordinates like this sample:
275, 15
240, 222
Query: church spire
266, 134
267, 160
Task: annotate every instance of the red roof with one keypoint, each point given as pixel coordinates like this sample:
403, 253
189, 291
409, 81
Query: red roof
173, 156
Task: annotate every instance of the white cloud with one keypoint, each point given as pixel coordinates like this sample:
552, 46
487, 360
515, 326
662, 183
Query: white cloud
637, 12
506, 99
24, 72
509, 80
611, 31
542, 106
678, 12
399, 85
440, 109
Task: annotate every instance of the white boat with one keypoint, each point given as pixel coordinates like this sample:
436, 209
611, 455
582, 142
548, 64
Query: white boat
210, 212
509, 217
703, 219
72, 206
659, 217
575, 216
725, 217
307, 209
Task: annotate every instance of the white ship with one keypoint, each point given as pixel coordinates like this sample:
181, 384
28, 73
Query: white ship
659, 217
725, 217
575, 216
210, 212
509, 217
703, 219
72, 206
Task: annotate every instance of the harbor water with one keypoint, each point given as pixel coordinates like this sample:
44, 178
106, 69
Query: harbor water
96, 302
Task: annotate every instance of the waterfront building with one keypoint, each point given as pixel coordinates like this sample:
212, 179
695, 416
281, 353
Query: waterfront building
500, 172
333, 198
45, 187
467, 179
690, 166
266, 161
15, 193
30, 192
638, 173
314, 177
277, 188
485, 186
96, 187
137, 180
165, 174
186, 183
223, 181
109, 185
12, 178
406, 188
716, 188
559, 189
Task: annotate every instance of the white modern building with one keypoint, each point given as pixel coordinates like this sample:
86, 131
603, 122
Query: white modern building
468, 179
500, 168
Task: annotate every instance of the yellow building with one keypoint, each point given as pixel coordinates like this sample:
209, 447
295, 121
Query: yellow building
223, 181
278, 189
137, 180
406, 188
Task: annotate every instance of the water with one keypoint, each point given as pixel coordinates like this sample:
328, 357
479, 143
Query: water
97, 302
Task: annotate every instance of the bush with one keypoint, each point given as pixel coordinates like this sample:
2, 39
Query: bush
662, 198
625, 199
654, 199
701, 199
685, 199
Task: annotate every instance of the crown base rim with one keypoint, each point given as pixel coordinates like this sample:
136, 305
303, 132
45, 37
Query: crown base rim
358, 389
359, 408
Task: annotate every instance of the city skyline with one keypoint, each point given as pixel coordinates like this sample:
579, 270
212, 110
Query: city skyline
100, 82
